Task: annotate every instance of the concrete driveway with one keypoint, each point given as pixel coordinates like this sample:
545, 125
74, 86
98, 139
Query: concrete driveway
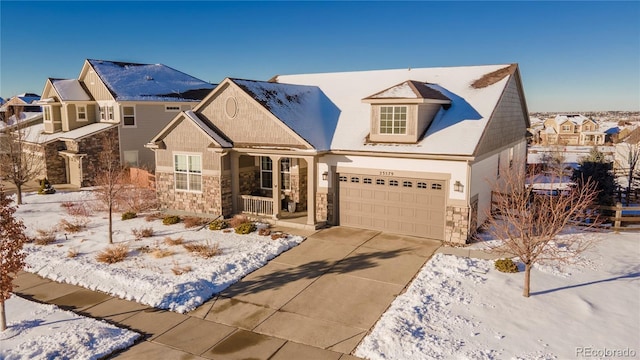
315, 301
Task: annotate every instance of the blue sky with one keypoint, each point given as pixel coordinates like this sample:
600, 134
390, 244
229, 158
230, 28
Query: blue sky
573, 56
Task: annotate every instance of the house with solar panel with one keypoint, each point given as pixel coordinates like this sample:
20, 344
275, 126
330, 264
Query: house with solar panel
126, 101
406, 151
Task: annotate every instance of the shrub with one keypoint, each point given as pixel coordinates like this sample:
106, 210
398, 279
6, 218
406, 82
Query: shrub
245, 228
77, 209
46, 188
129, 215
113, 254
153, 216
172, 242
193, 221
264, 232
238, 220
179, 270
170, 220
144, 249
160, 253
506, 265
218, 224
74, 226
73, 252
45, 237
142, 233
278, 235
203, 250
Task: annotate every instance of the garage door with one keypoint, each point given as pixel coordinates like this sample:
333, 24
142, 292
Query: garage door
406, 206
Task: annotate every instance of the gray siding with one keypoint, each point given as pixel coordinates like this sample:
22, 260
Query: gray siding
508, 123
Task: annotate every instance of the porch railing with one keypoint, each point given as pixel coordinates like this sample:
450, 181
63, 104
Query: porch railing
256, 205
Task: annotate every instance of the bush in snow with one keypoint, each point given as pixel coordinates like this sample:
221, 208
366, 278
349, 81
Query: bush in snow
218, 224
129, 215
173, 242
506, 265
245, 228
238, 220
203, 250
142, 233
193, 221
113, 254
170, 220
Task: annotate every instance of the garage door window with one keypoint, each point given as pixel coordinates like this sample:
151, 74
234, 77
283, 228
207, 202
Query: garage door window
367, 180
379, 182
436, 186
393, 182
343, 178
422, 185
407, 184
355, 179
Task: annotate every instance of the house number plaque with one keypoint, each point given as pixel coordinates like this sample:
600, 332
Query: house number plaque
386, 173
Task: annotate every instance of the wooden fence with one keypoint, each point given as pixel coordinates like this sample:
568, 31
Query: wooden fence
620, 219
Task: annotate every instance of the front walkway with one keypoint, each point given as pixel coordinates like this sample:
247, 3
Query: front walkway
315, 301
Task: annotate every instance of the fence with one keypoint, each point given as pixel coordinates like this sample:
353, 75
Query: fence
631, 217
256, 205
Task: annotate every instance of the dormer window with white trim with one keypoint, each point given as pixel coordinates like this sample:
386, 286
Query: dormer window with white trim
393, 120
82, 113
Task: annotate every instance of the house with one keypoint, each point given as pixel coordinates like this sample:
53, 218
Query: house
406, 151
26, 102
571, 129
127, 101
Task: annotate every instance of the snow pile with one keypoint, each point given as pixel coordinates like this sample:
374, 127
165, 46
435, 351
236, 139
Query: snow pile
141, 277
37, 331
464, 308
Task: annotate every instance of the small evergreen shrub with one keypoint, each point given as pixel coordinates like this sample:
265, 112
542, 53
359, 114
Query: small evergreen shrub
170, 220
245, 228
506, 265
218, 224
129, 215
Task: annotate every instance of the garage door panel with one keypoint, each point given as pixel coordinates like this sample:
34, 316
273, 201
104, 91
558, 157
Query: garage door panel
399, 205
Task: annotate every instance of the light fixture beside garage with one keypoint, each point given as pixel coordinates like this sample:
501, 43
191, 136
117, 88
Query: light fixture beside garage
457, 186
325, 175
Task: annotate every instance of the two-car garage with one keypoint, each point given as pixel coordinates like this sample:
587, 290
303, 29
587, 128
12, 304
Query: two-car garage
409, 206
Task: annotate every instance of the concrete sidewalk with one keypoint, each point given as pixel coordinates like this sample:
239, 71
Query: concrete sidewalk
315, 301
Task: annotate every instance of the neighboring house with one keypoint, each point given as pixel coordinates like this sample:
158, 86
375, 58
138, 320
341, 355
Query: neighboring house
407, 151
131, 101
27, 103
571, 129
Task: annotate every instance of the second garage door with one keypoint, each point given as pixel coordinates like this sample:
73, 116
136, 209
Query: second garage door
408, 206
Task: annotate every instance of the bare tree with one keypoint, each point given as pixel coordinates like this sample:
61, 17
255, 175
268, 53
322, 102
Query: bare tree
526, 224
12, 238
20, 160
111, 177
628, 163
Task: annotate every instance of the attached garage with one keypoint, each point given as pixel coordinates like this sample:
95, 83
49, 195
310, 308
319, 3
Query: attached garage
408, 206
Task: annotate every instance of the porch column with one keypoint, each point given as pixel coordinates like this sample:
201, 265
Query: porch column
235, 181
275, 180
311, 189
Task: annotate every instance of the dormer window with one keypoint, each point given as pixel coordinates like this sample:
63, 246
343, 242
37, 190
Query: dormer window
393, 120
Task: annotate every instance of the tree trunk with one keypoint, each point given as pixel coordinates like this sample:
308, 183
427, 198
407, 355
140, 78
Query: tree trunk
110, 224
19, 194
527, 280
3, 319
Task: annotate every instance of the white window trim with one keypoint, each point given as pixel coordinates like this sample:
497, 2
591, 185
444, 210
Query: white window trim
283, 172
135, 121
393, 119
124, 155
78, 107
187, 172
47, 110
166, 108
262, 171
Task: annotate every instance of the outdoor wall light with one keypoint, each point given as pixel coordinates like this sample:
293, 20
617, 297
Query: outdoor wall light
325, 175
457, 186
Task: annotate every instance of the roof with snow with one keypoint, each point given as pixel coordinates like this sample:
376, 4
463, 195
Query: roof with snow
474, 92
304, 109
70, 90
36, 134
208, 128
149, 82
574, 118
410, 89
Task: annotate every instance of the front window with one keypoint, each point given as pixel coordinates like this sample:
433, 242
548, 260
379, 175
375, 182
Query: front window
285, 173
393, 120
188, 172
129, 116
82, 113
266, 172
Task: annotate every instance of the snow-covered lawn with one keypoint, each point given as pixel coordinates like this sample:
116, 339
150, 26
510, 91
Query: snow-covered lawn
143, 276
459, 308
40, 331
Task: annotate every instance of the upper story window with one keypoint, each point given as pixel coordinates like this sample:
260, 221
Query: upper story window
393, 120
82, 113
106, 113
566, 128
128, 116
188, 172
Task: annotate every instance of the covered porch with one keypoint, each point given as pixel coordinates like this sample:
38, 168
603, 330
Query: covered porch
275, 187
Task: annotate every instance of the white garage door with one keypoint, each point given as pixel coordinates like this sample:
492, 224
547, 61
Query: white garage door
406, 206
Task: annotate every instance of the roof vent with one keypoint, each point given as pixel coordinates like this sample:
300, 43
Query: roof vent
148, 77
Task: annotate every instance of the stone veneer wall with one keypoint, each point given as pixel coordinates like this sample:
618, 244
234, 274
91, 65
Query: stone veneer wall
209, 201
299, 190
324, 208
226, 195
93, 146
457, 225
56, 166
249, 180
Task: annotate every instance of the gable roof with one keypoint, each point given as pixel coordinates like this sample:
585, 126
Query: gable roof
70, 90
455, 131
304, 109
410, 89
576, 119
203, 124
149, 82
